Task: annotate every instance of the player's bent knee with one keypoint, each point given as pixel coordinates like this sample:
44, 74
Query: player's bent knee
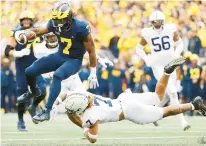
59, 75
29, 71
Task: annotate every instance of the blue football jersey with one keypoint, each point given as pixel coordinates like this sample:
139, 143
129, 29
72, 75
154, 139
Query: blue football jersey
71, 42
30, 58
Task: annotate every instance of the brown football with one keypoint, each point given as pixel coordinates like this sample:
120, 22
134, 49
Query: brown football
30, 35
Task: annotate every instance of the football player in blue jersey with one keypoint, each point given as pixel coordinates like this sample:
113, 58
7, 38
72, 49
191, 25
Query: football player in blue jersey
24, 57
74, 38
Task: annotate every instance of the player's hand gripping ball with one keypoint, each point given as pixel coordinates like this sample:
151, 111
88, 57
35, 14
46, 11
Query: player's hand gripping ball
26, 36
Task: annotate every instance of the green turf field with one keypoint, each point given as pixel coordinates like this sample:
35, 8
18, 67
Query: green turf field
61, 132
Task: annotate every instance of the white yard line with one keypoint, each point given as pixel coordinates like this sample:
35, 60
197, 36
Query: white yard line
127, 131
106, 138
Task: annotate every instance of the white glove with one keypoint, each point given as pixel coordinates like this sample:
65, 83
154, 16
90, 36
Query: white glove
23, 52
17, 34
92, 79
104, 62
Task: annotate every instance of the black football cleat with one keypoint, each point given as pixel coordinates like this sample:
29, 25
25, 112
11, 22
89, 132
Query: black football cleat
170, 67
44, 115
199, 105
32, 112
24, 98
21, 126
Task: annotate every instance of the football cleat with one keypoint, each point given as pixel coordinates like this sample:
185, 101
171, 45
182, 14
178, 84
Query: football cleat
32, 112
170, 67
44, 115
21, 126
199, 105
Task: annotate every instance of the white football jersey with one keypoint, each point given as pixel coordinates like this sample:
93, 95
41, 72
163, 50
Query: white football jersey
104, 110
41, 50
160, 43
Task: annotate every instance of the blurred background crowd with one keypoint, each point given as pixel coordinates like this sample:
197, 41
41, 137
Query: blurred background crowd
116, 27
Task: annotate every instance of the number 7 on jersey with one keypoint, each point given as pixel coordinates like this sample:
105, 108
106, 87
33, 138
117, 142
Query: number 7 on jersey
69, 44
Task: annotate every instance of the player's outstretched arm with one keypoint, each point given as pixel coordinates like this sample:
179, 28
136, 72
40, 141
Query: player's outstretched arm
11, 52
90, 47
40, 31
91, 133
29, 35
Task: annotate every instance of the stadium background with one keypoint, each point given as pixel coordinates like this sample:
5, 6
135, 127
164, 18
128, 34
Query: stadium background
116, 27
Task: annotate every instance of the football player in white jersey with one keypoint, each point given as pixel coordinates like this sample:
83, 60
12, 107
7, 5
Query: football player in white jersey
90, 110
161, 39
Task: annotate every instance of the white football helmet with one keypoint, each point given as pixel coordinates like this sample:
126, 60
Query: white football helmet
76, 102
157, 16
52, 42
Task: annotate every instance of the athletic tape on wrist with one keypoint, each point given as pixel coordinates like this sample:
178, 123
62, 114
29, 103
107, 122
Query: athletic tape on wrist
85, 129
91, 136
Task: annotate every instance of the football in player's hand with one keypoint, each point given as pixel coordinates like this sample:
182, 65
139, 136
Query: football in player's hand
30, 36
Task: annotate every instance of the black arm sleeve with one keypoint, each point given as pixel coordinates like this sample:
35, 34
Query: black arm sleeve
8, 48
